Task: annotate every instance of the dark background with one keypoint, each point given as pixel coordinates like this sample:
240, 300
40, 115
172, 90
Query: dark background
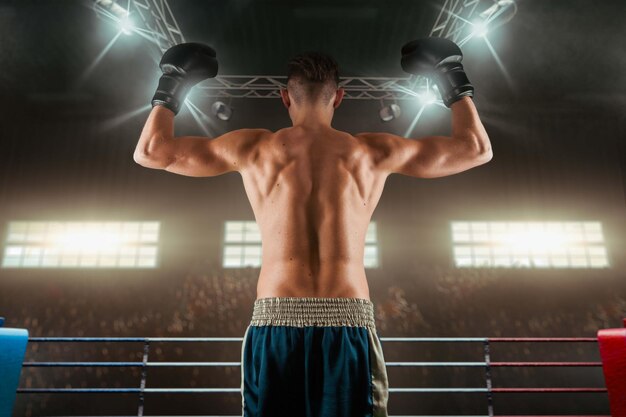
557, 131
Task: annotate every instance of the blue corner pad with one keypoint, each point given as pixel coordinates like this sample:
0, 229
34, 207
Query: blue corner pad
1, 321
12, 350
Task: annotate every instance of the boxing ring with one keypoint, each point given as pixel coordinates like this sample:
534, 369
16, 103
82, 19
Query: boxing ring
612, 344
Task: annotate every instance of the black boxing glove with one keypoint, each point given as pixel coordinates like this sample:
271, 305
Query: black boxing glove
439, 59
183, 65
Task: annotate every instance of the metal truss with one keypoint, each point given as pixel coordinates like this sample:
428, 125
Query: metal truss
264, 86
452, 23
159, 21
457, 19
453, 18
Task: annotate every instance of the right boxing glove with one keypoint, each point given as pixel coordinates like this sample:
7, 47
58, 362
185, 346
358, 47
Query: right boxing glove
183, 65
439, 59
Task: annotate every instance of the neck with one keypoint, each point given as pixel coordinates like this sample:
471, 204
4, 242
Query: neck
311, 117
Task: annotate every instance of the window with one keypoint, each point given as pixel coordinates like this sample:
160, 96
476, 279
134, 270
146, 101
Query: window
81, 245
371, 259
529, 244
242, 245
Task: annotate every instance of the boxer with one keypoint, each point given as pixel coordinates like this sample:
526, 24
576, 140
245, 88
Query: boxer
311, 348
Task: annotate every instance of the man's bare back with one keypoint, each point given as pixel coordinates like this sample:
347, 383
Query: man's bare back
313, 192
313, 189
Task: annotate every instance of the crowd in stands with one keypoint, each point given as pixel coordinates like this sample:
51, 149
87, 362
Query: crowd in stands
211, 301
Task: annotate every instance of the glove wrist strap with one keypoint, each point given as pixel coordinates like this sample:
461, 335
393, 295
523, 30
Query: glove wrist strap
453, 83
171, 92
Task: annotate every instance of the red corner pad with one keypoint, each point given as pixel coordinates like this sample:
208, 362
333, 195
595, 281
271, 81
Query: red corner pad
612, 344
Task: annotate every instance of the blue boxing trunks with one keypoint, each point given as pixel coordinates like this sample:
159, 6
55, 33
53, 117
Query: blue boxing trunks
313, 357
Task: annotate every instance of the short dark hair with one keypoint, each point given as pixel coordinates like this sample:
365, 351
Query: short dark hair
312, 76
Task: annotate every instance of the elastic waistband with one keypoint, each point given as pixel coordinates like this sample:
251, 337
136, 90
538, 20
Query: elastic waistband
306, 311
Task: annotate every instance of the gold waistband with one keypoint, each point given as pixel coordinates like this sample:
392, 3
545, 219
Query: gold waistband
307, 311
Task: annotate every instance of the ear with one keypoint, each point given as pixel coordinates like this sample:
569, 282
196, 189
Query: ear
284, 94
338, 97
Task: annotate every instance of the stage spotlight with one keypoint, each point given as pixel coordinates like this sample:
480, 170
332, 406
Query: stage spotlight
111, 7
496, 8
390, 112
126, 25
500, 12
480, 29
428, 97
111, 10
221, 110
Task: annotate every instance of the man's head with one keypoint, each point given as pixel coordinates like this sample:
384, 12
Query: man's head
312, 82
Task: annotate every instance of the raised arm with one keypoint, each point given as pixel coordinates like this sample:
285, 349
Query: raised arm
434, 156
192, 155
184, 65
437, 156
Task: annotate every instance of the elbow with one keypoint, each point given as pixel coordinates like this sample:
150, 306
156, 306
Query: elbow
139, 158
149, 161
482, 148
486, 152
485, 156
153, 151
479, 153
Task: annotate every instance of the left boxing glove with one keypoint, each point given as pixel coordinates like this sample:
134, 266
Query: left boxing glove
439, 59
183, 65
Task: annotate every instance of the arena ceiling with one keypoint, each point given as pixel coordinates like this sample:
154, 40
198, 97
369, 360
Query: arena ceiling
550, 49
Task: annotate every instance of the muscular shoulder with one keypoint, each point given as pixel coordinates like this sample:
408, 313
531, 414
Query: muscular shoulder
378, 144
245, 140
249, 135
240, 144
375, 138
